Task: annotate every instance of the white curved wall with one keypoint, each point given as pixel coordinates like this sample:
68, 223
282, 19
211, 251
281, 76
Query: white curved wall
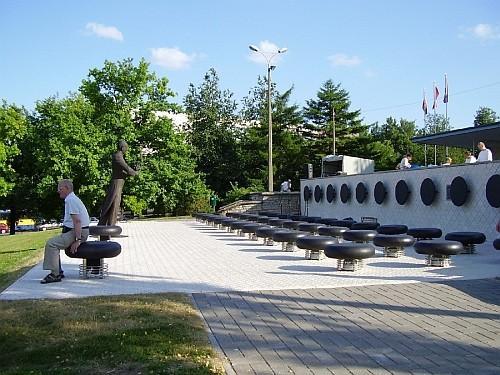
475, 215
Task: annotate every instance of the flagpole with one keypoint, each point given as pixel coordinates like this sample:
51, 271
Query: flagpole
434, 108
334, 138
445, 99
424, 108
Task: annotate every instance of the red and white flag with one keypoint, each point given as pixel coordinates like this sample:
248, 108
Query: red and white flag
424, 105
436, 95
445, 98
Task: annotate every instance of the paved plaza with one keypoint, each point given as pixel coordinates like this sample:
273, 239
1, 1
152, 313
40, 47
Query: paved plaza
271, 312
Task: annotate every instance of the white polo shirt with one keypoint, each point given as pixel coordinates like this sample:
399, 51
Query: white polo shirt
74, 206
485, 155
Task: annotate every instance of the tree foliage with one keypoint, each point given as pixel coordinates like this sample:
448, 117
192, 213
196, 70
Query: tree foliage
485, 116
351, 135
13, 124
74, 137
288, 146
212, 133
393, 140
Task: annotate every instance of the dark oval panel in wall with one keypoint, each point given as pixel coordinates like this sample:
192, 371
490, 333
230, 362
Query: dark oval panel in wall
402, 192
427, 191
361, 192
345, 193
330, 193
307, 193
318, 193
379, 192
493, 190
459, 191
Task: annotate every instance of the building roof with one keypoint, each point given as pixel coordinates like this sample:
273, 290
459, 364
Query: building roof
466, 137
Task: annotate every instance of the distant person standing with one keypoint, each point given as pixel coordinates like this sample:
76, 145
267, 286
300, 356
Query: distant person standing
484, 153
286, 186
469, 157
214, 199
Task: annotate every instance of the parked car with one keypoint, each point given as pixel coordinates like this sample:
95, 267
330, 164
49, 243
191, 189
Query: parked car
4, 228
52, 224
94, 220
25, 224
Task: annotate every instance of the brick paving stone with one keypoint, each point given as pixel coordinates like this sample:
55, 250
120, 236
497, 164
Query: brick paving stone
412, 320
346, 333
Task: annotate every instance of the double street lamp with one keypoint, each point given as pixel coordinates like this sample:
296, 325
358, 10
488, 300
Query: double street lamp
269, 56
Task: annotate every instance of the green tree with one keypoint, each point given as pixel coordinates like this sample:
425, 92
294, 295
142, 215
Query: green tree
485, 116
351, 135
13, 124
74, 137
288, 146
131, 103
392, 140
212, 133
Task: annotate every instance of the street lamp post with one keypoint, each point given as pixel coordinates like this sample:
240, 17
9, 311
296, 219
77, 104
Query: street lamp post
269, 57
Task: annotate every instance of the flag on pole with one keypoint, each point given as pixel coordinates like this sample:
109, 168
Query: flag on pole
445, 98
436, 95
424, 104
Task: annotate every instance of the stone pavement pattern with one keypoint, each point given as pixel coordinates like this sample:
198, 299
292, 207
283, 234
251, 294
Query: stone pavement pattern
422, 328
272, 312
187, 257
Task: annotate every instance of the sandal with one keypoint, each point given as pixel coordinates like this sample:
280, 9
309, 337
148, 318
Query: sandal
50, 278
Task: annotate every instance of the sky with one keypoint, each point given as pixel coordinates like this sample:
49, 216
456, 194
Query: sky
384, 53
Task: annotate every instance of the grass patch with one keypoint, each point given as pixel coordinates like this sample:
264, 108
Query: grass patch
140, 334
19, 253
143, 334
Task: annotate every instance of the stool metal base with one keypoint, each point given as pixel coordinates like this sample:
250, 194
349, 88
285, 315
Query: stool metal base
349, 264
268, 241
315, 254
437, 260
288, 246
394, 252
93, 268
469, 249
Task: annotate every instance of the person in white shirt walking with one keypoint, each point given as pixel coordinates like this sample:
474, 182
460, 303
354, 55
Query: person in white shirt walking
75, 231
484, 153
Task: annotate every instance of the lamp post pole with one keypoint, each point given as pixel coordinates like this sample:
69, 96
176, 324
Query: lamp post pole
270, 67
270, 174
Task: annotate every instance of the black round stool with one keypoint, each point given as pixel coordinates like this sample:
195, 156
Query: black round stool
309, 227
315, 245
360, 235
438, 252
392, 229
468, 239
266, 232
332, 231
425, 233
349, 255
393, 244
93, 254
288, 238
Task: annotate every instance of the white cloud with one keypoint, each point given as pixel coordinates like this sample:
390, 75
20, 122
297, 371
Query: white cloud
102, 31
171, 58
341, 59
268, 49
484, 31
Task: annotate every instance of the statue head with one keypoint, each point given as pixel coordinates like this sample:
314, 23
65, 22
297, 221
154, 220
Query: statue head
122, 146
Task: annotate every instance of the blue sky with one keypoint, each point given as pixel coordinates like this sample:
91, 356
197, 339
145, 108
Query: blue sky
384, 53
